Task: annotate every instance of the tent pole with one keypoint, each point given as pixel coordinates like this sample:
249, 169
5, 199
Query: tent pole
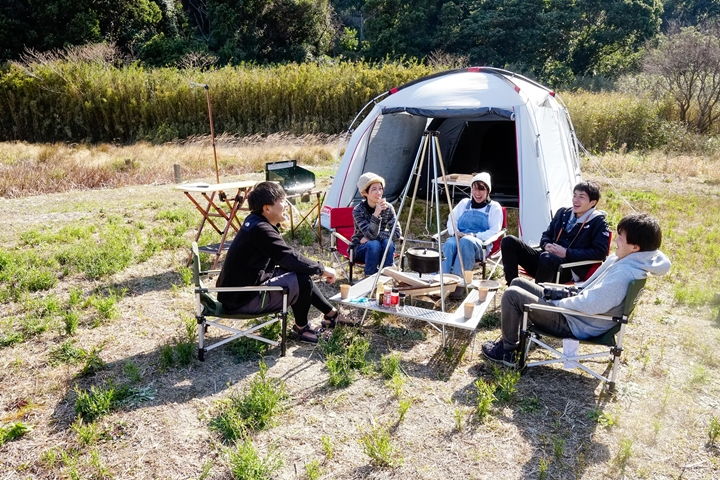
452, 217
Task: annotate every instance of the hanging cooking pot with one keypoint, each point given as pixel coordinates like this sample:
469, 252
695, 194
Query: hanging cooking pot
423, 260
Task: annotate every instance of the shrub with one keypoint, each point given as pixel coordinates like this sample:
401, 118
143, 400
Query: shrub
246, 464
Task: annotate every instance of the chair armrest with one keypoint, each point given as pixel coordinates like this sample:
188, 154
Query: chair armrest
551, 284
210, 272
552, 308
257, 288
340, 237
492, 239
579, 263
435, 236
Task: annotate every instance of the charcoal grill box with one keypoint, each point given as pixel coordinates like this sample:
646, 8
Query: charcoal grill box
293, 179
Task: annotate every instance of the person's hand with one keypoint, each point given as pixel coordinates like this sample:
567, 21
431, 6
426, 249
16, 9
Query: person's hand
329, 275
364, 240
556, 249
381, 205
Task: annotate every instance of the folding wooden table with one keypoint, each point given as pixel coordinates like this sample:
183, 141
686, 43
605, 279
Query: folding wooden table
219, 205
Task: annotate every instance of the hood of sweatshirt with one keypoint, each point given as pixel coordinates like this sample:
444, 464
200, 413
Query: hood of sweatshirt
653, 262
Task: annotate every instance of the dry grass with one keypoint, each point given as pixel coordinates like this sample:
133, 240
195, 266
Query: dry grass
656, 426
30, 169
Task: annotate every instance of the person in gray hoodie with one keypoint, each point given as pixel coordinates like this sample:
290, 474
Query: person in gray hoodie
636, 256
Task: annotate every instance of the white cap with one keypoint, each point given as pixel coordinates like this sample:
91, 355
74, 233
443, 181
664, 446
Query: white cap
483, 177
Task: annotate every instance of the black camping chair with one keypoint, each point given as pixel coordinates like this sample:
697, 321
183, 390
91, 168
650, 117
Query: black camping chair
612, 339
207, 306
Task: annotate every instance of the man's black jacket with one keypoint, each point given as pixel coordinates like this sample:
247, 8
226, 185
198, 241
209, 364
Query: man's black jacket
251, 260
589, 244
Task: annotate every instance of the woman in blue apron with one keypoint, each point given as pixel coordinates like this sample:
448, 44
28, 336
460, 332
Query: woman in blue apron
477, 218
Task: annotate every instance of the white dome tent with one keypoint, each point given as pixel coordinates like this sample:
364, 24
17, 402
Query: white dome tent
488, 119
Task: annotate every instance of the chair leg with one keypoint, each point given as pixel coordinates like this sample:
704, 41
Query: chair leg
283, 334
350, 268
201, 338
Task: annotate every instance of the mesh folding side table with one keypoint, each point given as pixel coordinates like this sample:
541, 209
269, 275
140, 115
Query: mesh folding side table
219, 205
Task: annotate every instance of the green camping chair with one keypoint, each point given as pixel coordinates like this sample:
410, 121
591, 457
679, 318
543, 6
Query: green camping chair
207, 306
612, 339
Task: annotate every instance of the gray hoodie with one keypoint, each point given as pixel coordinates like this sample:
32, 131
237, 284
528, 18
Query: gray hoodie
604, 292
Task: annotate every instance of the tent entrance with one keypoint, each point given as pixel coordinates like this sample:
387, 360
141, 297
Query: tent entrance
489, 146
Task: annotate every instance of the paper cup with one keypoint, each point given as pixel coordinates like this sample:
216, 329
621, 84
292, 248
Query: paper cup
468, 277
344, 291
482, 294
468, 309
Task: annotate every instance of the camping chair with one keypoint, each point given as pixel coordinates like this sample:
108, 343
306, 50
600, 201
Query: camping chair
207, 306
494, 258
342, 227
594, 265
612, 339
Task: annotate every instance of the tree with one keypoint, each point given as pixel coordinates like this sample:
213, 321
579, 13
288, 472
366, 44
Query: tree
688, 64
269, 30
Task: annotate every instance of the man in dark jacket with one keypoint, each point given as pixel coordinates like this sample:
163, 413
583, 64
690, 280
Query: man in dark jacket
575, 234
259, 256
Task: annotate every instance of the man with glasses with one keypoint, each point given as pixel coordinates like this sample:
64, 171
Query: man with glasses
575, 234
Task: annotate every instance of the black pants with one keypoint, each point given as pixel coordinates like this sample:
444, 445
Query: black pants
302, 292
542, 266
309, 295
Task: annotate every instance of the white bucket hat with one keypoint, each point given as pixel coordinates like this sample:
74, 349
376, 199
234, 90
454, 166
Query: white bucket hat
367, 179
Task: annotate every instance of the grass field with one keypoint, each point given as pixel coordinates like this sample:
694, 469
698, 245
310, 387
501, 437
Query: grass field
100, 377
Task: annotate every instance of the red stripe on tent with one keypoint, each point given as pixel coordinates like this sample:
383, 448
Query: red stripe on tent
474, 69
393, 90
552, 94
517, 89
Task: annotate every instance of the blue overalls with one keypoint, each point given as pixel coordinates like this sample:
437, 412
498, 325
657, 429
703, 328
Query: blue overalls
472, 220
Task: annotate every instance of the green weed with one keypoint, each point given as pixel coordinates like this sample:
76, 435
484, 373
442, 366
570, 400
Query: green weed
255, 410
327, 446
345, 353
544, 463
485, 399
248, 348
529, 404
246, 464
459, 416
132, 372
71, 320
390, 365
506, 380
94, 403
67, 352
403, 407
378, 446
714, 430
622, 458
13, 431
93, 362
396, 383
313, 470
87, 433
558, 448
602, 418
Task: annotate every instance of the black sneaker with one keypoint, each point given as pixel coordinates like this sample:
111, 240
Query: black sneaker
496, 352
